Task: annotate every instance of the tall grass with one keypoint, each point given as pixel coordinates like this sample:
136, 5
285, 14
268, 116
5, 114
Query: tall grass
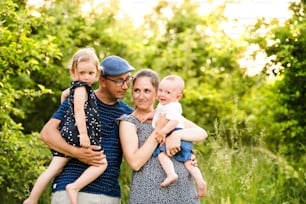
244, 175
248, 175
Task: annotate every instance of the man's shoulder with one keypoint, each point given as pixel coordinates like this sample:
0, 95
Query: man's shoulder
128, 109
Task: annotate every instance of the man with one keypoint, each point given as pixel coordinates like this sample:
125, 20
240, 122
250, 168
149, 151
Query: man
113, 83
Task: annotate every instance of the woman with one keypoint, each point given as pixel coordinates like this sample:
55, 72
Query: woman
138, 143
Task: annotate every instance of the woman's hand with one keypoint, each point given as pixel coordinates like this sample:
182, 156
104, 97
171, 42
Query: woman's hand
173, 143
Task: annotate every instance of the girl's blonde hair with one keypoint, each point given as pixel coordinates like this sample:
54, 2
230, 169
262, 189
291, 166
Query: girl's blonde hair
87, 54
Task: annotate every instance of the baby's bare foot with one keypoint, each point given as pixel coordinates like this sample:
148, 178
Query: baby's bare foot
202, 189
170, 179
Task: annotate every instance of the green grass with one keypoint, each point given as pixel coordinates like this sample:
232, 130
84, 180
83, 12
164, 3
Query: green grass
235, 176
249, 175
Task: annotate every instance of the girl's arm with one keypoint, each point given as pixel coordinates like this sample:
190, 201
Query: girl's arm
80, 97
191, 132
65, 94
136, 156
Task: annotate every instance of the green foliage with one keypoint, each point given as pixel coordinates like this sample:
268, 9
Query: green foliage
248, 175
242, 114
20, 55
289, 90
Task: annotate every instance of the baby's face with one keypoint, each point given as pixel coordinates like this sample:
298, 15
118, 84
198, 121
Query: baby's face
167, 92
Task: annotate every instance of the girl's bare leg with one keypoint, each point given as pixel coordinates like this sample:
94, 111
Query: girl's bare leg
55, 167
88, 176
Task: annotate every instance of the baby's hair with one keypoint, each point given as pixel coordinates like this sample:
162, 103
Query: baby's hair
178, 80
84, 55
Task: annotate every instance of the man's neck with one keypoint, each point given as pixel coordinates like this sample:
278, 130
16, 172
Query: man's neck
104, 98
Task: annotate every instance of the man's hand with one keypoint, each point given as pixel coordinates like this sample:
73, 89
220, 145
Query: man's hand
91, 156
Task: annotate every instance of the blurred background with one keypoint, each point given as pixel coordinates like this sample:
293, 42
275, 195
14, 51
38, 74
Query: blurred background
243, 63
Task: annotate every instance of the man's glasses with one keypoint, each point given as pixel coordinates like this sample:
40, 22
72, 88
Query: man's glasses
120, 82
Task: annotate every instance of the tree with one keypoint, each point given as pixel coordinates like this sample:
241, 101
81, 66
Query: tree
197, 48
20, 55
288, 66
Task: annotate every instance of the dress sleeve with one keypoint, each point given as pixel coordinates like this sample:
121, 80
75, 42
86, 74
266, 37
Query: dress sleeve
128, 118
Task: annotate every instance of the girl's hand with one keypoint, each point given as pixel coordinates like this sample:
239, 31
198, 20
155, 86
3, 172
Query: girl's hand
84, 141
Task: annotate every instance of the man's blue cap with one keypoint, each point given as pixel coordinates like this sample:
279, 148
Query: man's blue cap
114, 66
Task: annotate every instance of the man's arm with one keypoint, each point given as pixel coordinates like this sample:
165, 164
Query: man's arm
52, 137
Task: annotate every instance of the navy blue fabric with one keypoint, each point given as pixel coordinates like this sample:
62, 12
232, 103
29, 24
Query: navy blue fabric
68, 126
107, 183
181, 156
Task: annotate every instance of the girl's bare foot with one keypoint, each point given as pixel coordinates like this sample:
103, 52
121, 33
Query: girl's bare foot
72, 193
170, 179
29, 201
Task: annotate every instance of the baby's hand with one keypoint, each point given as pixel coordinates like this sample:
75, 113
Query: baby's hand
84, 141
148, 116
160, 138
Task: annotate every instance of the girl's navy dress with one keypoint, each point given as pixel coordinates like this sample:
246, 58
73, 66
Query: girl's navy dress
68, 126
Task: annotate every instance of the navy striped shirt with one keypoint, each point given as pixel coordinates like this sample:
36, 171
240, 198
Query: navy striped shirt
108, 182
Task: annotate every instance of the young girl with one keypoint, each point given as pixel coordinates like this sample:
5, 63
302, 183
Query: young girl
80, 127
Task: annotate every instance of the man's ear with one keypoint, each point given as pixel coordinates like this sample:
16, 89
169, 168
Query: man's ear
102, 81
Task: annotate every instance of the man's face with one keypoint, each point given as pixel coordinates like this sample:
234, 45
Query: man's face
117, 86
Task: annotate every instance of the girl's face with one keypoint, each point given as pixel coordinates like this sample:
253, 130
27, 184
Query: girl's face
86, 72
144, 94
167, 92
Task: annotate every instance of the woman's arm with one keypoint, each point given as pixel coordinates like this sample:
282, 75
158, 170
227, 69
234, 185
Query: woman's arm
191, 132
52, 137
134, 155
